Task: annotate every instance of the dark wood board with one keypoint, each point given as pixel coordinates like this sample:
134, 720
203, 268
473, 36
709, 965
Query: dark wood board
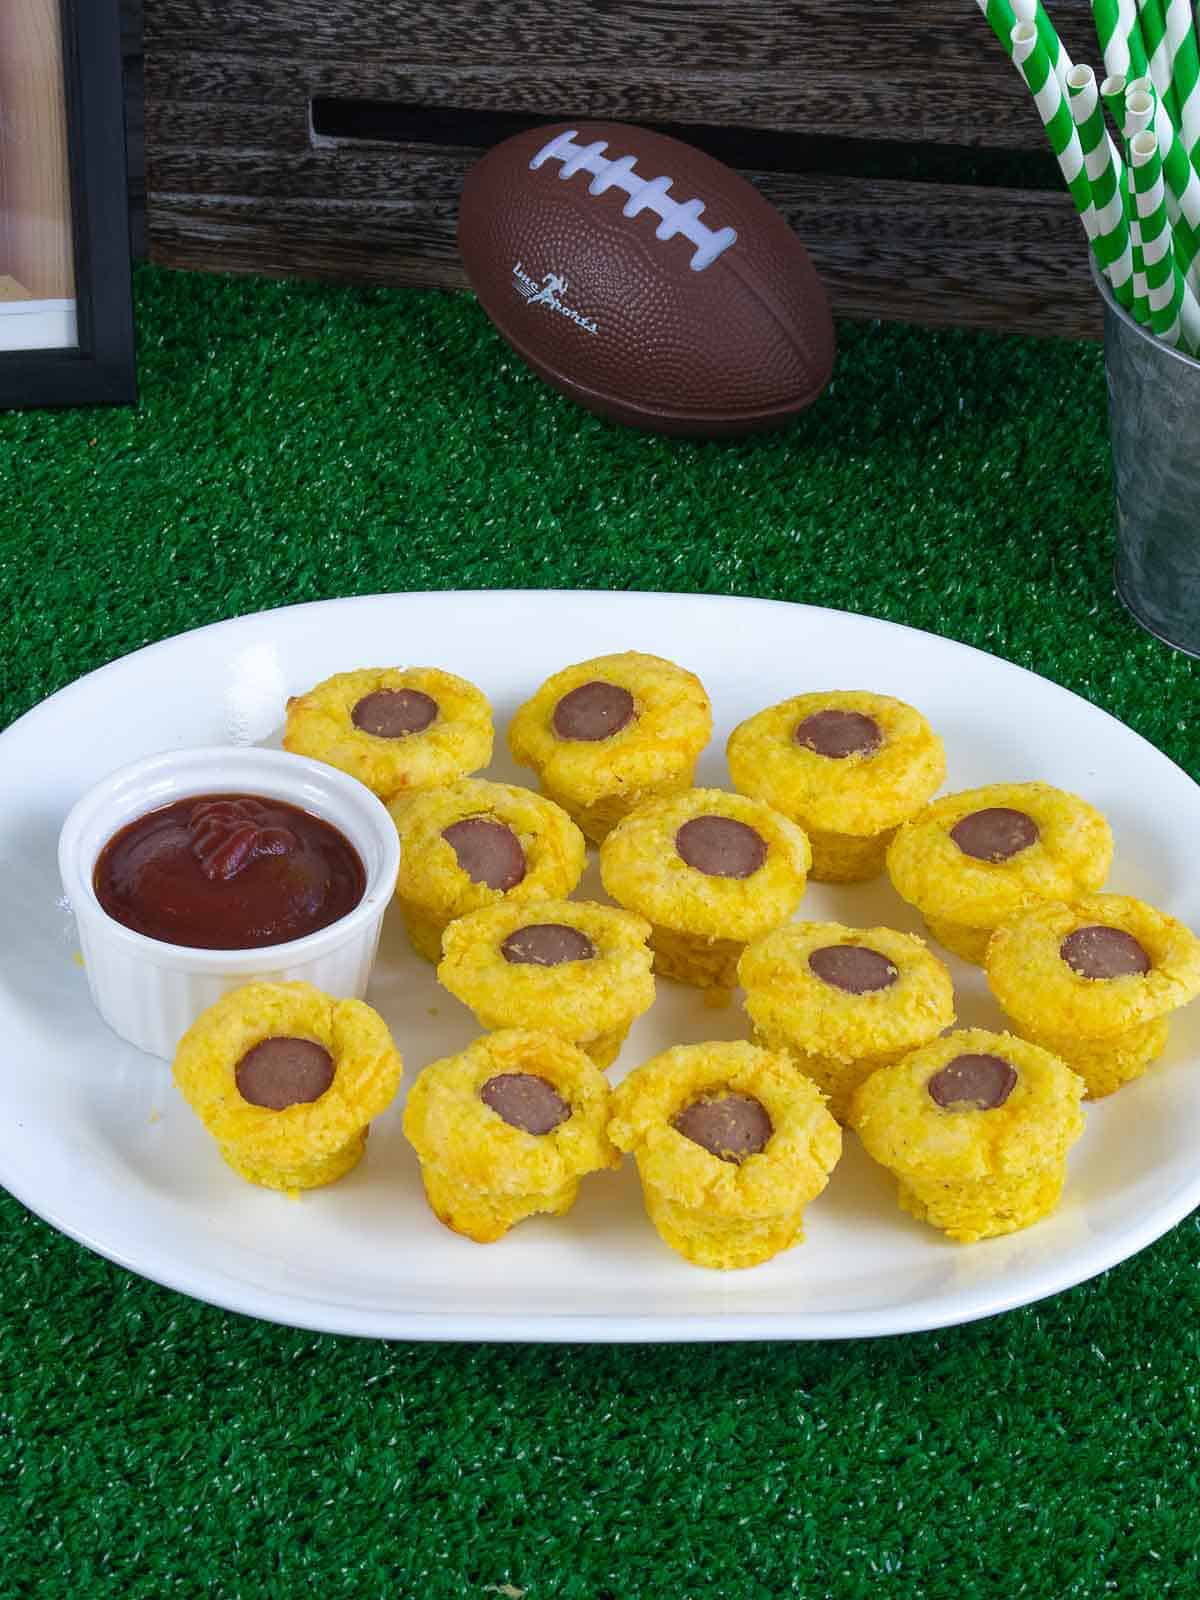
936, 254
918, 40
843, 104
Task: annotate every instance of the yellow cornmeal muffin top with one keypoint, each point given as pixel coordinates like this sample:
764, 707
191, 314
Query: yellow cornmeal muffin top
581, 998
451, 1128
1039, 989
642, 869
1070, 856
430, 874
795, 1164
366, 1062
458, 741
672, 723
859, 794
784, 993
903, 1128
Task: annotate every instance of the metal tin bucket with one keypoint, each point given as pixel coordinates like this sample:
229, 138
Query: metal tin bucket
1154, 419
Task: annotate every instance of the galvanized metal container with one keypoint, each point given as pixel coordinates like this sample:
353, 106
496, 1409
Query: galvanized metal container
1154, 417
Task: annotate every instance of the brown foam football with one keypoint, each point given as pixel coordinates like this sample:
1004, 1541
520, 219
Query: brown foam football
645, 280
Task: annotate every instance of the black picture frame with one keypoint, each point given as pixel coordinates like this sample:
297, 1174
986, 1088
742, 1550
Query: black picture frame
100, 368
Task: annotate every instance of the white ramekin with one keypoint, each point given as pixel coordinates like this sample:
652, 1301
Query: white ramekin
150, 992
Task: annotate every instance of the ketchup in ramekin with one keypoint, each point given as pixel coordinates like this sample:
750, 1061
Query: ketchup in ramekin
228, 872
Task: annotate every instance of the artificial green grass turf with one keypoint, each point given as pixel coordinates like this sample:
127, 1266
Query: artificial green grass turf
296, 442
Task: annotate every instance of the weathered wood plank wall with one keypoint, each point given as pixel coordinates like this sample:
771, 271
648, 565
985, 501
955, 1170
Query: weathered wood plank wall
838, 110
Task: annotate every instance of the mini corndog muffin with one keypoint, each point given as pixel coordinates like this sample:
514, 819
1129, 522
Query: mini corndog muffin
976, 1126
731, 1144
710, 871
611, 733
393, 728
843, 1002
1094, 982
474, 843
507, 1128
580, 970
971, 861
846, 765
287, 1080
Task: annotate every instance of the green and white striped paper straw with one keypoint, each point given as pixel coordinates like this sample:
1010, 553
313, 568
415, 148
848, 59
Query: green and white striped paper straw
1111, 246
1140, 306
1152, 19
1140, 105
1185, 73
1032, 60
1120, 37
1112, 92
1165, 286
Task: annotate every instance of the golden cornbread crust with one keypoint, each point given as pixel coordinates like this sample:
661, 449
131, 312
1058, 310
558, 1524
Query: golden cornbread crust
305, 1145
986, 1209
700, 920
1108, 1030
970, 1172
481, 1174
590, 1002
1106, 1064
845, 858
598, 782
1070, 857
457, 742
969, 944
708, 964
835, 1037
433, 889
717, 1213
839, 802
837, 1080
1038, 989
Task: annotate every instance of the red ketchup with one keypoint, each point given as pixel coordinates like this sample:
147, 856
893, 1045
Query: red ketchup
228, 872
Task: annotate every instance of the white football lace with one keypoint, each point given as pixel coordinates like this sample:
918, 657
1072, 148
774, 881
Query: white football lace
645, 194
